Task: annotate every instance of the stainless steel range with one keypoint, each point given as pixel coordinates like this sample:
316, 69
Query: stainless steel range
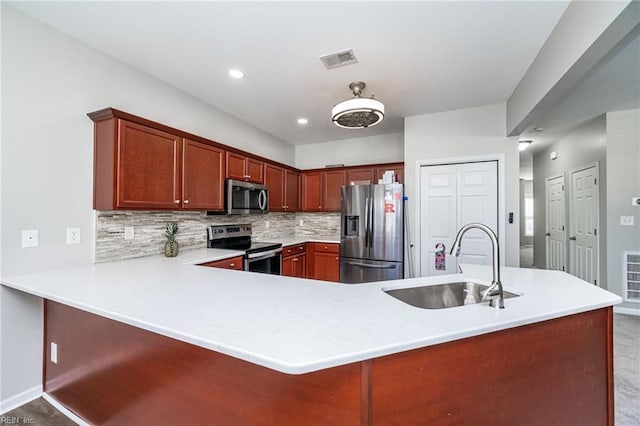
260, 257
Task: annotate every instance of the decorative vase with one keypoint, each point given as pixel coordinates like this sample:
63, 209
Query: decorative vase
171, 248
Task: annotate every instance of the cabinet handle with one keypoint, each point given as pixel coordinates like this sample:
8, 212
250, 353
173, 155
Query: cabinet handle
231, 265
177, 201
337, 258
300, 248
186, 201
295, 259
247, 176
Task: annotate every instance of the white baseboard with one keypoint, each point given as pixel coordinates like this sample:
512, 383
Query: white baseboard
64, 410
20, 399
626, 311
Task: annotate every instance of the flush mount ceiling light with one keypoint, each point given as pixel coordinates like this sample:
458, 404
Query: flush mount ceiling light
524, 144
357, 113
237, 74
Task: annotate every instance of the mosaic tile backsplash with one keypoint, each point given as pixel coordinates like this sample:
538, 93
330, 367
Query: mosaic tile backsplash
149, 229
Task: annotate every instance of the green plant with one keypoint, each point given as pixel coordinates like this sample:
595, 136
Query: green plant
171, 231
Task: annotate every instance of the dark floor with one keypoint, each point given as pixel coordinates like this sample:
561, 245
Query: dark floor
626, 377
37, 412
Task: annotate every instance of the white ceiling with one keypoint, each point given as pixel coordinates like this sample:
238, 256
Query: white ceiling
416, 57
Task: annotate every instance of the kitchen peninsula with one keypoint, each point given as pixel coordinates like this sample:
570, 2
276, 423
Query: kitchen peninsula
162, 341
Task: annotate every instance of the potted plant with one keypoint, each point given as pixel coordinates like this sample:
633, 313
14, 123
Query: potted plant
171, 246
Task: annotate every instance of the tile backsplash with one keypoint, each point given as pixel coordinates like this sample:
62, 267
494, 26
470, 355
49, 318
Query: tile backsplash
149, 228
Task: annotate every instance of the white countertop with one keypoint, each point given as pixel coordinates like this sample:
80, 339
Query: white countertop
296, 325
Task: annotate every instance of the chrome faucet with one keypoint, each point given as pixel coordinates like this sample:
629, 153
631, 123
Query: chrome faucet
495, 289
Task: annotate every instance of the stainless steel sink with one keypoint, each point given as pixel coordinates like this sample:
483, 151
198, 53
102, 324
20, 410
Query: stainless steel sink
441, 296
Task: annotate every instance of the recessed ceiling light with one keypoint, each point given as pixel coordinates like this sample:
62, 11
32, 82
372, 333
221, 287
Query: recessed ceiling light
302, 120
236, 73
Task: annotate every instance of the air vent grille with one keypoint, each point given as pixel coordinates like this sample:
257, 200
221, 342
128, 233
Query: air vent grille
339, 59
631, 269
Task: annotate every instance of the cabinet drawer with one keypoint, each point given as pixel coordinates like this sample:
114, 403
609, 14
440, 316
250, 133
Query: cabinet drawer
234, 263
326, 248
293, 250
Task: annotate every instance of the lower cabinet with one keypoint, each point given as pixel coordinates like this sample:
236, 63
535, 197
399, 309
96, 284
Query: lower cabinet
234, 263
323, 261
294, 261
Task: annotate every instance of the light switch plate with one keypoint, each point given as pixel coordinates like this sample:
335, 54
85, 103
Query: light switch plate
626, 220
73, 235
29, 238
635, 201
128, 232
54, 353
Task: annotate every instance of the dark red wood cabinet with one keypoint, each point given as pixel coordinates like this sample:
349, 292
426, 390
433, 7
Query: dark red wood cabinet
323, 261
332, 182
242, 167
283, 184
294, 261
398, 168
311, 192
234, 263
361, 174
141, 167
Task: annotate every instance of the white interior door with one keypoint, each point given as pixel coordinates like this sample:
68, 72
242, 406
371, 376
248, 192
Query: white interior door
477, 202
555, 232
583, 239
452, 196
439, 219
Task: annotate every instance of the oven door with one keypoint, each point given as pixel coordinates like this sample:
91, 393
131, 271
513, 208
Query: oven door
265, 262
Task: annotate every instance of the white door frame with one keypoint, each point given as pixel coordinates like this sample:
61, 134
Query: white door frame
546, 218
500, 158
570, 264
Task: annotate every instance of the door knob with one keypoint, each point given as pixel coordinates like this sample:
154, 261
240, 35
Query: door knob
548, 234
572, 238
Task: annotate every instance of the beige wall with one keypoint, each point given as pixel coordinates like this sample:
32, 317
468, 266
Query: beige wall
623, 183
462, 133
363, 150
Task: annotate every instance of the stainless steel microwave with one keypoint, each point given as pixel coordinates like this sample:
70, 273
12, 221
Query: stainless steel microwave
246, 198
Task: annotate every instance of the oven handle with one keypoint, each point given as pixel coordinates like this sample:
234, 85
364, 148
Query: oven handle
264, 254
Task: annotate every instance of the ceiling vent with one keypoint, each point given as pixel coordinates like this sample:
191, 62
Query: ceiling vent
339, 59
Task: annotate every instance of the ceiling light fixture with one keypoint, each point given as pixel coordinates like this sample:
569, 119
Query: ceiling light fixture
302, 120
237, 74
524, 144
357, 113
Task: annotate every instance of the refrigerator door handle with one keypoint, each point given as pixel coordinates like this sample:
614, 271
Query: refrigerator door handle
370, 228
366, 222
364, 265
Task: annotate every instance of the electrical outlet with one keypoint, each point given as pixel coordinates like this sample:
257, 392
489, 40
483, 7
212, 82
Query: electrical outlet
29, 238
54, 353
626, 220
267, 224
128, 232
301, 222
73, 235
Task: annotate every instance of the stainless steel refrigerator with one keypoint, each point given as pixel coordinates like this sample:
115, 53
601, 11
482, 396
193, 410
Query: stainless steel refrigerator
371, 246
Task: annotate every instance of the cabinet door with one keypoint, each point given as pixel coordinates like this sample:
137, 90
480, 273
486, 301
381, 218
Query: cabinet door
311, 192
148, 168
398, 168
327, 266
287, 266
234, 263
274, 180
202, 176
331, 189
254, 170
361, 174
292, 191
235, 166
300, 265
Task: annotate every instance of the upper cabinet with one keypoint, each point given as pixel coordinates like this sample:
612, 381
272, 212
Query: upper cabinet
311, 192
332, 182
283, 187
242, 167
398, 168
357, 175
202, 176
146, 168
